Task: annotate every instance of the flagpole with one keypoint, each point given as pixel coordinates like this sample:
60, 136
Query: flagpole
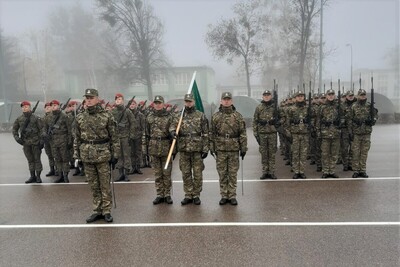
179, 124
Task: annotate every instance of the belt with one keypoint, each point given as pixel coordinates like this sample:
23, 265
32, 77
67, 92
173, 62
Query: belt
159, 138
96, 142
190, 135
228, 136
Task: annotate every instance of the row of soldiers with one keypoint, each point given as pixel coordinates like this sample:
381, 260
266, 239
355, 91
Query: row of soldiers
325, 129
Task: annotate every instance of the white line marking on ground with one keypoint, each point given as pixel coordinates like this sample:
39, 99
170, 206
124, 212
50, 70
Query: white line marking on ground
217, 181
196, 224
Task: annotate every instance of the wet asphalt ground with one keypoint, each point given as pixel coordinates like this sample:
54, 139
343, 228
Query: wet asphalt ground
286, 222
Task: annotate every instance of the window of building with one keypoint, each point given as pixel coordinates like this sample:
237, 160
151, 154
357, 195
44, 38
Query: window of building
159, 79
182, 78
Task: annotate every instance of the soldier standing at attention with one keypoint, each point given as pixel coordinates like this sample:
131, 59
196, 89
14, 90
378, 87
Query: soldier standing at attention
58, 131
193, 149
265, 121
160, 130
96, 144
345, 142
329, 122
136, 138
228, 140
47, 148
360, 128
297, 125
125, 126
27, 132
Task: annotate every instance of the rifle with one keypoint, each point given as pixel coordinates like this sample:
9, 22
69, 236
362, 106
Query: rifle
309, 111
66, 104
28, 120
125, 108
360, 81
339, 100
276, 113
141, 106
372, 106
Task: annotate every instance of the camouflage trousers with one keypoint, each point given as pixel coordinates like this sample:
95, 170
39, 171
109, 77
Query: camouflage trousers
360, 147
329, 154
98, 176
47, 149
32, 154
162, 177
318, 152
313, 148
227, 168
345, 149
299, 152
61, 155
192, 166
267, 149
124, 158
136, 152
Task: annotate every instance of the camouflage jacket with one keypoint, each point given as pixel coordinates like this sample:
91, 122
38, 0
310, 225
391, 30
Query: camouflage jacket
58, 129
159, 125
328, 122
31, 135
347, 109
140, 122
360, 121
95, 136
193, 134
297, 119
265, 119
228, 131
125, 121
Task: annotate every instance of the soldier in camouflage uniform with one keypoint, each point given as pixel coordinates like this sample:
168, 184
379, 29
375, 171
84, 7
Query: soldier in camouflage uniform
58, 131
360, 128
71, 114
96, 144
136, 138
298, 121
265, 124
125, 127
313, 132
27, 132
345, 143
47, 148
318, 140
160, 130
193, 149
329, 122
228, 140
288, 139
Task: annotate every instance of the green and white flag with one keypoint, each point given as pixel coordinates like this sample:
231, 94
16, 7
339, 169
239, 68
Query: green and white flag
197, 97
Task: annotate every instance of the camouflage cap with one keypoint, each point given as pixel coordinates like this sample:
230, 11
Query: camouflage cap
362, 92
322, 95
350, 93
188, 97
226, 95
299, 93
91, 92
158, 98
330, 92
315, 96
267, 92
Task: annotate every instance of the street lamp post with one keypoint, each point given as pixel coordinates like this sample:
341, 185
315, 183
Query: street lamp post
351, 64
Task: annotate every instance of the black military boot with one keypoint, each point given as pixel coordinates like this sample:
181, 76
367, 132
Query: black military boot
324, 175
60, 179
363, 175
52, 172
273, 177
38, 179
355, 175
66, 180
333, 175
264, 176
31, 179
77, 171
186, 201
138, 171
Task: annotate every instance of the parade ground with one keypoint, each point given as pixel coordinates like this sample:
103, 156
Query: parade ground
283, 222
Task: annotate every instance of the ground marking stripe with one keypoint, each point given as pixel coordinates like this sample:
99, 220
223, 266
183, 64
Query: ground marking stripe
216, 181
196, 224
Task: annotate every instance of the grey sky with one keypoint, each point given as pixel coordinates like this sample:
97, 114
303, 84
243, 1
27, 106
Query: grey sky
371, 26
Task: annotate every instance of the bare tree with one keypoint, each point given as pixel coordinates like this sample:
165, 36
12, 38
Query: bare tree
241, 36
142, 30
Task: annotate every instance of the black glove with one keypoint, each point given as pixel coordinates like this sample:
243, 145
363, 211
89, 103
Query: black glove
258, 139
242, 154
369, 122
113, 161
20, 141
173, 156
41, 144
172, 135
204, 155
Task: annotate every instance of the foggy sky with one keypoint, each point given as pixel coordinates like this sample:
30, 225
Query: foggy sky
371, 26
